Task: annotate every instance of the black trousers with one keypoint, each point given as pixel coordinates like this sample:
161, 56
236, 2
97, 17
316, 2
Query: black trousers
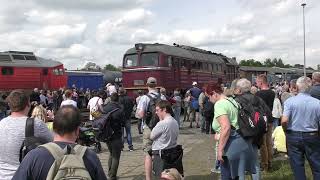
114, 146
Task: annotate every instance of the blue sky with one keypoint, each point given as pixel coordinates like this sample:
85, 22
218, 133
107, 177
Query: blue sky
77, 31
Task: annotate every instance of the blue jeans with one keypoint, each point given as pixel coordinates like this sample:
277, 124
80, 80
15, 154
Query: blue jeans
225, 171
177, 112
127, 128
301, 145
275, 122
257, 164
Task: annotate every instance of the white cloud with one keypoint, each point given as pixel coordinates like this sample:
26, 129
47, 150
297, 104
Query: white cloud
118, 29
254, 42
102, 5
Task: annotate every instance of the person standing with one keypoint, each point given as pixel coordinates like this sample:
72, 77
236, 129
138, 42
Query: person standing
95, 103
115, 144
300, 122
234, 152
38, 163
194, 92
202, 97
139, 124
68, 99
315, 89
164, 136
177, 106
142, 108
12, 132
267, 95
127, 105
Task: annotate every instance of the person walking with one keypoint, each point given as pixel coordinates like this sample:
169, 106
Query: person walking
300, 122
127, 105
115, 144
195, 115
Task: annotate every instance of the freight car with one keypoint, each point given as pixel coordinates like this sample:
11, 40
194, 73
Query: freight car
85, 79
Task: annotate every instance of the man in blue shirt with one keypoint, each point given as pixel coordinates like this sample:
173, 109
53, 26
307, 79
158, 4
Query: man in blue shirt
38, 162
315, 89
300, 121
195, 93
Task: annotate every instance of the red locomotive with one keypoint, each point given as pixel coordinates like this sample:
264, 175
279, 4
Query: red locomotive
175, 66
24, 70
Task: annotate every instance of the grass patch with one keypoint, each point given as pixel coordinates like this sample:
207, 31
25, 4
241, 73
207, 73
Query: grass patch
281, 170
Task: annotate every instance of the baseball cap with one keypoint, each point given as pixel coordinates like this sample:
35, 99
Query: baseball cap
194, 83
152, 80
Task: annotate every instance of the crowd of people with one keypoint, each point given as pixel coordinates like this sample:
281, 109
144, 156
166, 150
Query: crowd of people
250, 123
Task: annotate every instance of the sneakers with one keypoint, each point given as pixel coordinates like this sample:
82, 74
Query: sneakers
131, 148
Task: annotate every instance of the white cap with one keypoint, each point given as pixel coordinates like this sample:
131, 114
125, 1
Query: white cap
194, 83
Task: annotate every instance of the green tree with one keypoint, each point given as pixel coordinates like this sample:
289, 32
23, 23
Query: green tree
250, 62
268, 63
111, 67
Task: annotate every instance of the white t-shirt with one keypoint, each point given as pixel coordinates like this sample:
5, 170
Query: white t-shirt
69, 102
111, 89
93, 103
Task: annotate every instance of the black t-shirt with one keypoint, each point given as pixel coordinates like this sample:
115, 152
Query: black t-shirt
267, 96
37, 163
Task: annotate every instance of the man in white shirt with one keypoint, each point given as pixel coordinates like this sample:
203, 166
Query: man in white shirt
68, 101
95, 103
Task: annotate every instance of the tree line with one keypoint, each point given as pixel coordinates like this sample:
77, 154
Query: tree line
275, 62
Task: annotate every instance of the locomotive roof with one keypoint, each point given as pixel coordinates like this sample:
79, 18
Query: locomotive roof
181, 51
25, 59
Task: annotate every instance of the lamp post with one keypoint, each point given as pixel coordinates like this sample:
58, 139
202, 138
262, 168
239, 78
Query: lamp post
304, 41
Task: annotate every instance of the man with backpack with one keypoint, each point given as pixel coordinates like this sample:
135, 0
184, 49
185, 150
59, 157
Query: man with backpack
146, 111
114, 141
56, 160
12, 132
252, 118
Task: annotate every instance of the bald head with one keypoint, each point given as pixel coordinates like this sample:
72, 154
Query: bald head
316, 77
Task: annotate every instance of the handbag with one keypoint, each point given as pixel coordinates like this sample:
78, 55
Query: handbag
95, 112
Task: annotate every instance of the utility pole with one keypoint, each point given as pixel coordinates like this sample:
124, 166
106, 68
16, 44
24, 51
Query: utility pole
304, 41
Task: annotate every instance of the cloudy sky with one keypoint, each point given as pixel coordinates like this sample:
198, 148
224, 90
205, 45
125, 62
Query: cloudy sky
76, 31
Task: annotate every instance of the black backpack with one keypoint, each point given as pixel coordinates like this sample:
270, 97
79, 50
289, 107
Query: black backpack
151, 117
103, 125
252, 119
30, 142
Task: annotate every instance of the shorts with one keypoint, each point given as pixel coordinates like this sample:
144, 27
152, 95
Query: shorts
147, 142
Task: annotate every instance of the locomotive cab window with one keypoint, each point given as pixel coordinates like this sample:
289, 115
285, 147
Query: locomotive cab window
149, 59
7, 71
131, 60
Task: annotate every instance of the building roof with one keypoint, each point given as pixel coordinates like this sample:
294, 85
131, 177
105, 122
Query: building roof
25, 59
275, 70
180, 51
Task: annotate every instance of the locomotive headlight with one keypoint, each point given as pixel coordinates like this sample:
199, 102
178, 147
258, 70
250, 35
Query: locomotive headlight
139, 47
